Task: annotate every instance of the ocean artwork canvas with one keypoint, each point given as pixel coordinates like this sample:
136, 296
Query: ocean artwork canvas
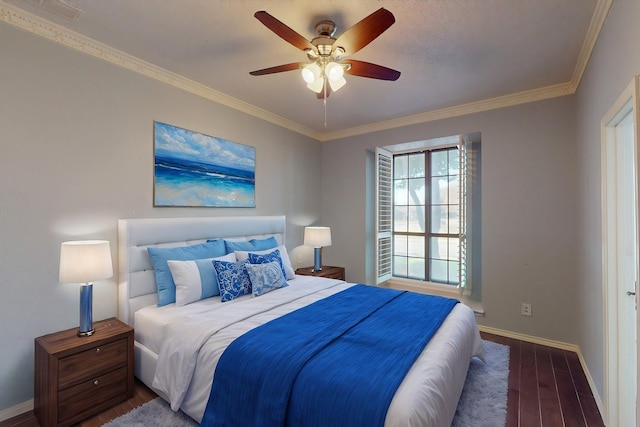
193, 169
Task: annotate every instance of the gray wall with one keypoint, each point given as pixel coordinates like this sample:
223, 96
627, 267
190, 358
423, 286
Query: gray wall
613, 64
76, 154
529, 208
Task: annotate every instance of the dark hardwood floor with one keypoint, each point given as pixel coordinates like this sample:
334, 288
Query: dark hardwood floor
547, 387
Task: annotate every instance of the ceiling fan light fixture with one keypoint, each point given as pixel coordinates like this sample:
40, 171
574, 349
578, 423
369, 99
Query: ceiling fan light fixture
316, 86
337, 84
334, 72
311, 73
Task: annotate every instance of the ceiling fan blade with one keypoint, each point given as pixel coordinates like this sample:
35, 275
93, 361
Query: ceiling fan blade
372, 71
279, 69
283, 31
365, 31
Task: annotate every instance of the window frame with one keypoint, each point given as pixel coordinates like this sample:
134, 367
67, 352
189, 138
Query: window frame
428, 179
382, 235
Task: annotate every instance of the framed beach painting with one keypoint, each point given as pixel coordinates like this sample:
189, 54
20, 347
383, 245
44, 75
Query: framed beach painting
193, 169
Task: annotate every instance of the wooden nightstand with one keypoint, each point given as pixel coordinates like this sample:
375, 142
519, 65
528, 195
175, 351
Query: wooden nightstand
77, 377
327, 271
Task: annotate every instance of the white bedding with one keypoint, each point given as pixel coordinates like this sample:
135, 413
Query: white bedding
428, 396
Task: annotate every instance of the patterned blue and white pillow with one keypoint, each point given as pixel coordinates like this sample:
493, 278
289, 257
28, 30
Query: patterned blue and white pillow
255, 258
265, 277
233, 279
196, 279
284, 256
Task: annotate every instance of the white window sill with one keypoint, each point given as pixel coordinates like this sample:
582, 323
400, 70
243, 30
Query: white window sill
431, 288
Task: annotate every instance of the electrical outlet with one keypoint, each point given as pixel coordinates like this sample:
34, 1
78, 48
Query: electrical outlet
525, 310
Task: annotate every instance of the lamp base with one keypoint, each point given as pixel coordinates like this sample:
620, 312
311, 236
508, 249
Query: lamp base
86, 301
317, 259
86, 334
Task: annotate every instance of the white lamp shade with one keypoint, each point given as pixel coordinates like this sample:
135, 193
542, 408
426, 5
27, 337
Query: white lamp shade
311, 73
317, 237
85, 261
316, 86
334, 71
337, 84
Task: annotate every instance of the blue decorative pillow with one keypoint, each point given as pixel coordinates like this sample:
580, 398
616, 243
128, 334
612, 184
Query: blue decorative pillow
233, 279
160, 256
196, 279
251, 245
269, 257
265, 277
284, 256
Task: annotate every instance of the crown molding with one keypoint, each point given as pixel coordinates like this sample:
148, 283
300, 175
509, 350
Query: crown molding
595, 26
598, 18
63, 8
29, 22
510, 100
41, 27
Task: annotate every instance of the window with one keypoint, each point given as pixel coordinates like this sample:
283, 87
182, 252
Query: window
423, 205
426, 202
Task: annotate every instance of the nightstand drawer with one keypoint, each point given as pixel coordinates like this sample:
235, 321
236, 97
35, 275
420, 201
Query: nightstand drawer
74, 401
89, 363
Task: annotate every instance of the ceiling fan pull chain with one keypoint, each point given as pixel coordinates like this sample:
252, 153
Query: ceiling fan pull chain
324, 101
325, 112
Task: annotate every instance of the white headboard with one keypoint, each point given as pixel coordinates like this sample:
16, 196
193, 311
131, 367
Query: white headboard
137, 283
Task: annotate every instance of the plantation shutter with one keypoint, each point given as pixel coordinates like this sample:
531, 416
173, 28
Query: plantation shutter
465, 210
384, 215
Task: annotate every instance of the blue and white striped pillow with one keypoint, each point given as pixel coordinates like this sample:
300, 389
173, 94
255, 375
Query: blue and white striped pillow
196, 279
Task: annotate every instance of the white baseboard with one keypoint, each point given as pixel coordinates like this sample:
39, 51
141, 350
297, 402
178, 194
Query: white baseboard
554, 344
14, 411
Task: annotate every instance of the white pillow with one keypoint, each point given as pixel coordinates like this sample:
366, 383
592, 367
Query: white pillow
196, 279
284, 256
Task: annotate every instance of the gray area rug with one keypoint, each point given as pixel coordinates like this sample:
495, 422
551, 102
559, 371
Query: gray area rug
484, 397
483, 401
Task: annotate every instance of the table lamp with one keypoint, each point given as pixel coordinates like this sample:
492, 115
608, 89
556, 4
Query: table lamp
318, 237
84, 262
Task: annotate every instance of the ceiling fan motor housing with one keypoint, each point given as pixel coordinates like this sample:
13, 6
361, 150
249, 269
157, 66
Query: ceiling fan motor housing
324, 41
326, 28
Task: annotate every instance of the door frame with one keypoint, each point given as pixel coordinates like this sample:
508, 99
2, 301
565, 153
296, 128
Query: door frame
626, 103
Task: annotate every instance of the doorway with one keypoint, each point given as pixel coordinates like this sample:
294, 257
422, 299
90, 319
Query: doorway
620, 257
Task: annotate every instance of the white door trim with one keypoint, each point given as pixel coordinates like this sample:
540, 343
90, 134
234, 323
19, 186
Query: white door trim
627, 102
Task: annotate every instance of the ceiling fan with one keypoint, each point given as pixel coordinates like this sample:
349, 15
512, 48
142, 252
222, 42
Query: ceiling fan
328, 55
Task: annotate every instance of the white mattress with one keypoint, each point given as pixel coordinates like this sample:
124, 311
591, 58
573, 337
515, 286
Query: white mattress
186, 361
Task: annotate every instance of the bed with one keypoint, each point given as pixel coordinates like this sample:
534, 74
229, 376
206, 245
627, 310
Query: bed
179, 366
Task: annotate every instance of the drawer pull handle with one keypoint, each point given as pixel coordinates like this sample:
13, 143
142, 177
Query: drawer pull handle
95, 382
98, 350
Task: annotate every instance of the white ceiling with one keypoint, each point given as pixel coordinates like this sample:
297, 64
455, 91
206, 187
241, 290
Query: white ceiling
456, 56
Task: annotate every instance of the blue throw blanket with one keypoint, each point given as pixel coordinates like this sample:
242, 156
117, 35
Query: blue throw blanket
336, 362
